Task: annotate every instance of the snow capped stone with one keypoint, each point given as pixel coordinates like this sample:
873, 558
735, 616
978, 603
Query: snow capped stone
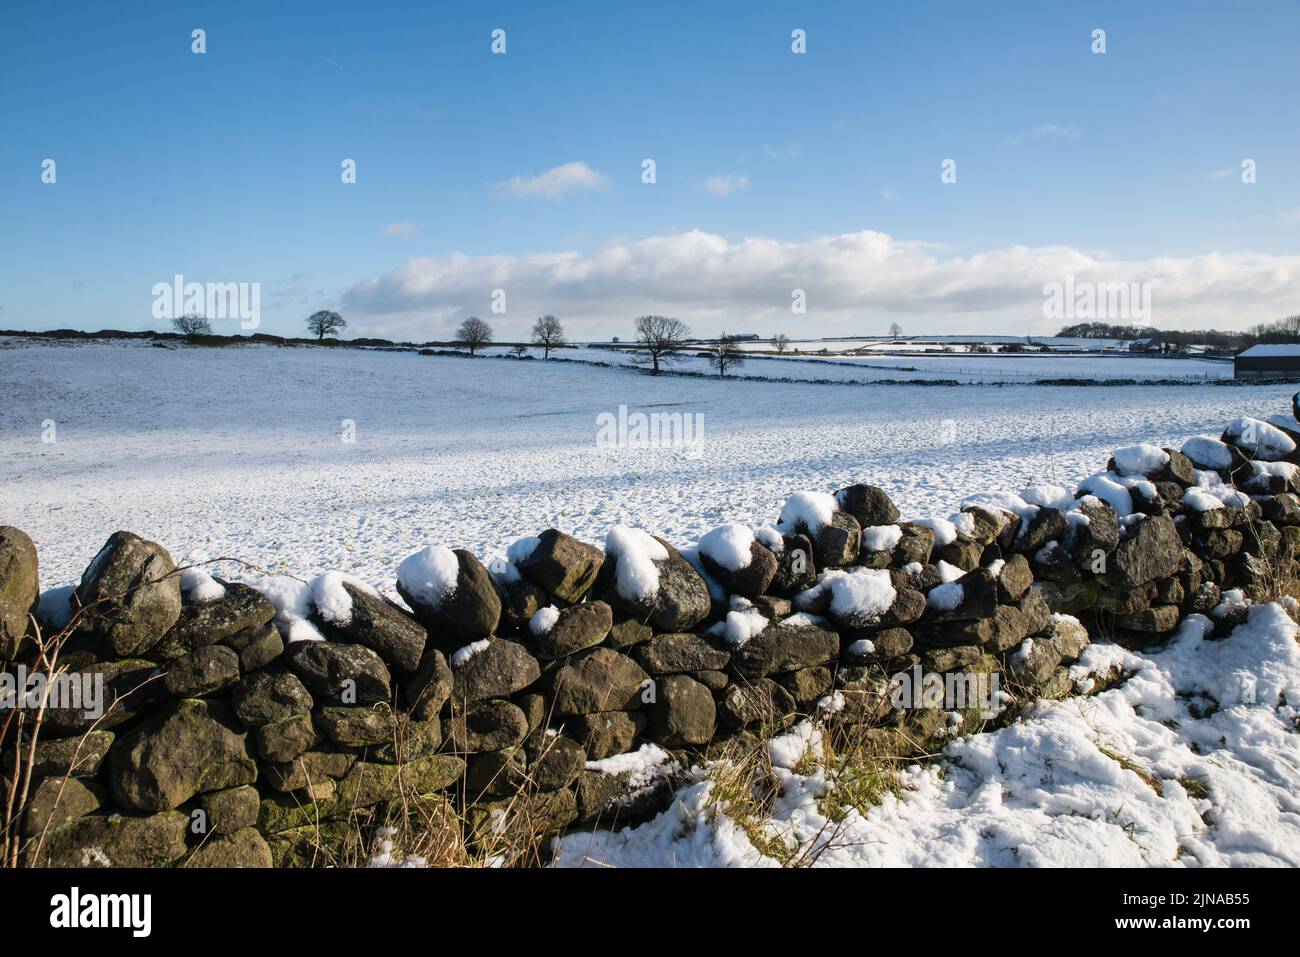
858, 594
1006, 502
199, 586
948, 572
642, 766
1140, 459
429, 576
504, 572
637, 579
807, 510
332, 601
521, 549
543, 620
963, 523
1257, 437
771, 539
802, 619
1049, 496
1200, 500
740, 626
1208, 452
945, 597
880, 538
728, 545
464, 654
1105, 486
945, 533
292, 600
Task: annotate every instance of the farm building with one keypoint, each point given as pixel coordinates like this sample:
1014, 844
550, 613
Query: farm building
1267, 361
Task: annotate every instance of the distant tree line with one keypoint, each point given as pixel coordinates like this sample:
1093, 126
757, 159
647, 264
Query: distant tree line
1105, 330
1280, 330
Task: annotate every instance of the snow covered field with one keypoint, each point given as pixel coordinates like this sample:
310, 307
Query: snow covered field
969, 368
241, 450
974, 367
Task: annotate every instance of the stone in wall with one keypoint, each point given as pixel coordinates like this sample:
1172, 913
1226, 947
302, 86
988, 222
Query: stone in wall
131, 594
19, 589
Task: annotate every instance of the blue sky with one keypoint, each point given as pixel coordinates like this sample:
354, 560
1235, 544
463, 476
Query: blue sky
225, 166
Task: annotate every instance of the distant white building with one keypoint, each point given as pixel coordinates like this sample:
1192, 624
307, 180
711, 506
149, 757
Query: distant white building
1274, 360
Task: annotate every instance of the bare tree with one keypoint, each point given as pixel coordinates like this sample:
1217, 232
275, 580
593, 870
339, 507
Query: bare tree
325, 323
192, 324
660, 339
1280, 330
549, 334
895, 330
520, 350
780, 342
474, 333
725, 354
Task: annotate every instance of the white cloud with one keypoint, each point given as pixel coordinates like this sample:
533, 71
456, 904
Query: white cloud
555, 182
851, 281
1291, 215
404, 229
888, 193
725, 185
1047, 130
1222, 173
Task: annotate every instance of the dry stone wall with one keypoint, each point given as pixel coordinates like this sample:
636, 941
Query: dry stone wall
240, 724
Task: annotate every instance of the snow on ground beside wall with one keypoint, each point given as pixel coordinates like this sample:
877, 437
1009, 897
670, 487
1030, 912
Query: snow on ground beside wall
240, 451
1115, 779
